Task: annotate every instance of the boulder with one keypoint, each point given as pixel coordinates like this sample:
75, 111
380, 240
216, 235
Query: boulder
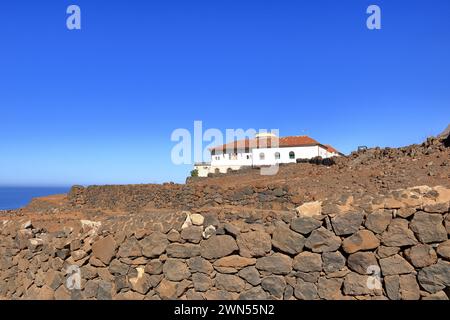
360, 241
235, 261
277, 264
429, 227
409, 288
436, 277
251, 275
305, 290
130, 248
421, 255
308, 262
254, 244
192, 234
175, 270
154, 245
275, 285
333, 262
202, 282
197, 219
141, 283
398, 234
310, 209
347, 223
254, 294
395, 265
378, 221
199, 264
443, 250
357, 285
218, 247
362, 262
167, 289
184, 251
230, 283
287, 241
305, 225
323, 240
330, 289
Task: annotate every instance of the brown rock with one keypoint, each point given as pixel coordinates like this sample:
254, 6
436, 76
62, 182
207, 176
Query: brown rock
229, 283
167, 289
310, 209
392, 286
141, 283
130, 248
305, 225
357, 285
330, 289
254, 244
384, 252
198, 264
323, 240
436, 277
277, 264
235, 261
421, 255
347, 223
378, 221
192, 234
251, 275
154, 245
104, 249
185, 250
395, 265
398, 234
202, 282
305, 290
333, 262
362, 262
286, 240
308, 262
360, 241
218, 247
409, 288
428, 227
443, 250
176, 270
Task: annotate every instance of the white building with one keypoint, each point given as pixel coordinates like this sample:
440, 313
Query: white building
263, 150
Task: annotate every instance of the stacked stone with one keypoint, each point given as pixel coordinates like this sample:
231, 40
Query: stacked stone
394, 246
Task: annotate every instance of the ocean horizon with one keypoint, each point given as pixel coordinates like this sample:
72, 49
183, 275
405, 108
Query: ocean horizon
17, 197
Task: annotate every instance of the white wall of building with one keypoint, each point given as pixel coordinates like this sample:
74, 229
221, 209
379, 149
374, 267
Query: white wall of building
270, 158
223, 162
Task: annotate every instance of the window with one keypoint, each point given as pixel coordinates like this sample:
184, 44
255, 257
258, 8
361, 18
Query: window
292, 155
277, 155
262, 156
248, 157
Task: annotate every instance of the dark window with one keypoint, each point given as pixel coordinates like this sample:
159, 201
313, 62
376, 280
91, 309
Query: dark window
292, 155
277, 155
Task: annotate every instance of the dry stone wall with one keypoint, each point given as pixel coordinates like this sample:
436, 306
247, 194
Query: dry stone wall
393, 247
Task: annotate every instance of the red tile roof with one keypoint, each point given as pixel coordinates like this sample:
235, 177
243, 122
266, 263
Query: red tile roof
331, 149
293, 141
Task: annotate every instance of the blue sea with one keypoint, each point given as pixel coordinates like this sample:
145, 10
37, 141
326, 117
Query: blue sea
17, 197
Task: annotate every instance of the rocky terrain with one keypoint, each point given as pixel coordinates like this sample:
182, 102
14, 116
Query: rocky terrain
374, 225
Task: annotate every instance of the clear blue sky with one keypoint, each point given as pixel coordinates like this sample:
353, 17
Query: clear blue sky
98, 106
